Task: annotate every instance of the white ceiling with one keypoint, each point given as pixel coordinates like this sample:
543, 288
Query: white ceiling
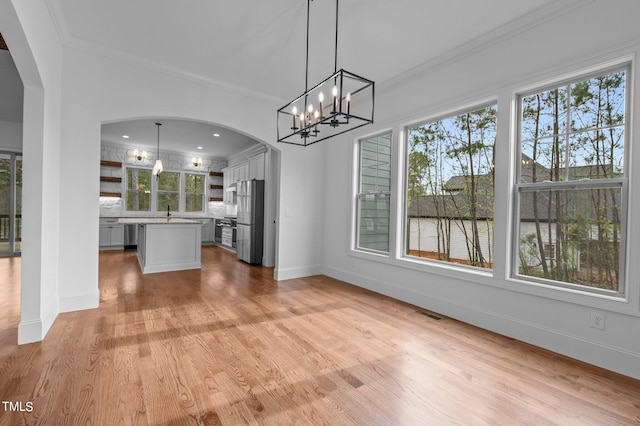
259, 46
178, 136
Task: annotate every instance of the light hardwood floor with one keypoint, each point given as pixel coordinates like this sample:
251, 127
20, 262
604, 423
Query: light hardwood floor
228, 345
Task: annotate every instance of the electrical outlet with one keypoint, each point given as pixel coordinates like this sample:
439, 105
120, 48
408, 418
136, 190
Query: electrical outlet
596, 320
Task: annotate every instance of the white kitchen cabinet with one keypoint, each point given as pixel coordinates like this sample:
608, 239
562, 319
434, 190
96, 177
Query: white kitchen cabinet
256, 167
111, 233
241, 172
233, 175
207, 231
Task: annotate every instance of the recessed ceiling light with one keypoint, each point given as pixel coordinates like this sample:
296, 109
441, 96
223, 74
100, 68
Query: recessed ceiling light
200, 147
125, 136
217, 135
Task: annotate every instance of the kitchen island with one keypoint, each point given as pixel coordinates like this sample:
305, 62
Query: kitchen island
167, 244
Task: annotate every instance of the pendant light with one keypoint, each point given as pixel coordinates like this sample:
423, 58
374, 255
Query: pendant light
309, 118
157, 168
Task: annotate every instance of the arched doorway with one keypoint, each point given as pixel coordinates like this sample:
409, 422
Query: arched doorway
131, 145
37, 309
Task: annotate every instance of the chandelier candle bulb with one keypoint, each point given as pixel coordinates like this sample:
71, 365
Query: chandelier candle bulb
321, 99
334, 92
348, 103
294, 112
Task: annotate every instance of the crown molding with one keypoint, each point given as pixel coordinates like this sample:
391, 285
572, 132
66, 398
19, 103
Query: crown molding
74, 43
531, 20
59, 22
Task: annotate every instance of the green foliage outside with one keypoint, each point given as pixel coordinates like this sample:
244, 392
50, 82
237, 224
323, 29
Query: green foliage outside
450, 181
574, 133
138, 190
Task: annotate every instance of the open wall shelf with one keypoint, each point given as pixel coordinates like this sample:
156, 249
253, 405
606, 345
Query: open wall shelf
111, 179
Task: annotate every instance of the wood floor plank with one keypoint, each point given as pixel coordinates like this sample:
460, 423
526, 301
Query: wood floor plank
228, 345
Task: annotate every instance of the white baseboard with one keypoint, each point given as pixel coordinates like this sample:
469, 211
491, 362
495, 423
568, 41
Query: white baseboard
281, 274
35, 330
79, 302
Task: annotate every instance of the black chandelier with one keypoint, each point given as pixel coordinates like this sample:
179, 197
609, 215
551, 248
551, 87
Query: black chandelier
342, 102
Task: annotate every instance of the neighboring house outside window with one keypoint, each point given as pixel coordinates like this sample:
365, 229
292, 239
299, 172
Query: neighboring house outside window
138, 190
194, 192
373, 199
450, 184
571, 195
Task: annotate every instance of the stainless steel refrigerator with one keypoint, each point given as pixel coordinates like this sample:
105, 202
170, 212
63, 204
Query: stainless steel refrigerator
250, 227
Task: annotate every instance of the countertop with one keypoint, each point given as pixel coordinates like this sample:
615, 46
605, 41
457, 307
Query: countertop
157, 220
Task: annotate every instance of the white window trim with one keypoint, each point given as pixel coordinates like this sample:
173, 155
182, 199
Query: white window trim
402, 234
180, 192
355, 241
622, 294
154, 193
126, 191
183, 192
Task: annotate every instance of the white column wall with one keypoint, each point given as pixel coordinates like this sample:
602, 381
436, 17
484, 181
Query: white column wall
29, 32
592, 34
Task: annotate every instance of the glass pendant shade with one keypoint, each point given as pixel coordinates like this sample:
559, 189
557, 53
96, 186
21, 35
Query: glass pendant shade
157, 168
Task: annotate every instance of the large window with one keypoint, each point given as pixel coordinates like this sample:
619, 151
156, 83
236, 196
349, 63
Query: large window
165, 192
374, 192
10, 203
194, 192
138, 190
571, 191
450, 182
168, 191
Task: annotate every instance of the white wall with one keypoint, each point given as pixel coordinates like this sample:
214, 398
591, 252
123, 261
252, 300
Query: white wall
28, 30
10, 136
11, 101
300, 216
555, 319
99, 89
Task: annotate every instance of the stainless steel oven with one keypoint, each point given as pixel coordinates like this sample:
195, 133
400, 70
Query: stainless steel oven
225, 232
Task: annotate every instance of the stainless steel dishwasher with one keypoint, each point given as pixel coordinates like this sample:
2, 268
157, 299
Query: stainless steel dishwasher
130, 236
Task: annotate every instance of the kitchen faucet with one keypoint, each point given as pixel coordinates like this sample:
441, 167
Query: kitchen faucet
168, 214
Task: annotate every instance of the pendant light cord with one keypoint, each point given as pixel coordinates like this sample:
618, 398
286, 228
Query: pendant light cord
335, 67
306, 73
158, 152
335, 50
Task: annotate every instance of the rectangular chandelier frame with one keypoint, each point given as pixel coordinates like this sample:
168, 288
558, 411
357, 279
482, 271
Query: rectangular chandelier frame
309, 119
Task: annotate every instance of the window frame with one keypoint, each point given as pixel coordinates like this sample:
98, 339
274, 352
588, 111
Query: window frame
154, 192
179, 191
361, 195
576, 184
405, 231
128, 191
202, 194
